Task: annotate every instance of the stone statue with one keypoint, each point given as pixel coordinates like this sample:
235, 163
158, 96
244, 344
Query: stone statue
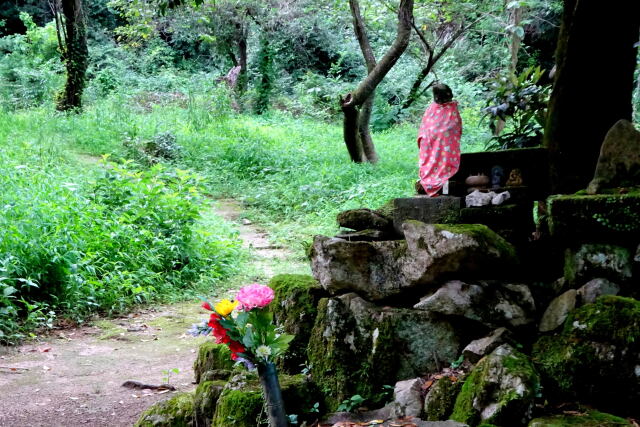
515, 178
497, 176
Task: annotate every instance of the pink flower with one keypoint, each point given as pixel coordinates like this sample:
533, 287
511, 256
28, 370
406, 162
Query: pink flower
254, 296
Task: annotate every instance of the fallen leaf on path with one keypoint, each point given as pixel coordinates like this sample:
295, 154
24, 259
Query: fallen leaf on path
46, 368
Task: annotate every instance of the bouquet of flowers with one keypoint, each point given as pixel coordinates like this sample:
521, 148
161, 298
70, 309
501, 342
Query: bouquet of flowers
246, 327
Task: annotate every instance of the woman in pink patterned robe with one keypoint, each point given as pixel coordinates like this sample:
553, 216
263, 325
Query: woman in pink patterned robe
439, 141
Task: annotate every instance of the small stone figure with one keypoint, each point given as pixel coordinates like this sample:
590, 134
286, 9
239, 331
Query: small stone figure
497, 176
515, 178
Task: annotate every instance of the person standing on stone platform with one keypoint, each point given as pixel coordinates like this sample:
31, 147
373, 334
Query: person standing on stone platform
439, 141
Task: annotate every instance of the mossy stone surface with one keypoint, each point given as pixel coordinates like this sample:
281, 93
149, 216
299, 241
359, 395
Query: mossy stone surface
595, 357
599, 218
294, 308
588, 419
357, 347
243, 406
499, 390
239, 408
486, 238
591, 261
439, 402
177, 411
212, 357
205, 398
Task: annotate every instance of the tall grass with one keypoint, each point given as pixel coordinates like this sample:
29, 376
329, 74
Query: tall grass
76, 238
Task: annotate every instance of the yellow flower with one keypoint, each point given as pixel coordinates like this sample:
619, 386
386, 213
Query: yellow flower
224, 307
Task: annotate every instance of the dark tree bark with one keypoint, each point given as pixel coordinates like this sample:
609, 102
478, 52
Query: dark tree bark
72, 39
593, 86
368, 148
352, 104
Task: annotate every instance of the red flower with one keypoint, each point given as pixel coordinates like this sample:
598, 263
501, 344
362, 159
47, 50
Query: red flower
207, 306
236, 347
234, 356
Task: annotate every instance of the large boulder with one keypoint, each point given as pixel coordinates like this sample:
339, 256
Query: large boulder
370, 268
357, 347
364, 219
469, 250
596, 358
431, 253
591, 261
493, 304
619, 161
500, 390
294, 309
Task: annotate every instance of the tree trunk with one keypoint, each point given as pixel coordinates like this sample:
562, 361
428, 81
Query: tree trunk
593, 87
242, 61
354, 101
72, 37
368, 149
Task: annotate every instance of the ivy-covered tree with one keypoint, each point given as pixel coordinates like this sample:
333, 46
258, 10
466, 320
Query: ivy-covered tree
71, 28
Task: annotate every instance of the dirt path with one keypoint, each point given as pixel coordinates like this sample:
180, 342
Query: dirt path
73, 377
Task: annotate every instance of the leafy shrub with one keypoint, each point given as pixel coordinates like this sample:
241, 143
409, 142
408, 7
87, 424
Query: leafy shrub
522, 103
72, 243
30, 67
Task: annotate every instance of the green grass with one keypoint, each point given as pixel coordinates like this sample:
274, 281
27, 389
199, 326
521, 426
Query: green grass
77, 237
293, 174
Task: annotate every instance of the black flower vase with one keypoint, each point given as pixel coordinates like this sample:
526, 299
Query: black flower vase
272, 394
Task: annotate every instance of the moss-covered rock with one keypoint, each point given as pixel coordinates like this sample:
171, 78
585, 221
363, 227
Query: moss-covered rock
177, 411
596, 357
592, 261
212, 357
607, 218
242, 407
239, 408
439, 402
357, 347
588, 419
500, 390
294, 309
429, 254
205, 398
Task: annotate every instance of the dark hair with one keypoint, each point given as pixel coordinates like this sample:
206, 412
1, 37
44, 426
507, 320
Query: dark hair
442, 93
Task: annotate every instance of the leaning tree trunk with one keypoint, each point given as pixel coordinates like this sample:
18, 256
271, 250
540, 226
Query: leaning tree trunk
353, 103
593, 87
72, 39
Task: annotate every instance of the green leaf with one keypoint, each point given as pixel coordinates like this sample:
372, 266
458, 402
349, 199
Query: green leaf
9, 290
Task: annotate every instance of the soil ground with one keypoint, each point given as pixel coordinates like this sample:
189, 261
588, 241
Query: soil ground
74, 376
